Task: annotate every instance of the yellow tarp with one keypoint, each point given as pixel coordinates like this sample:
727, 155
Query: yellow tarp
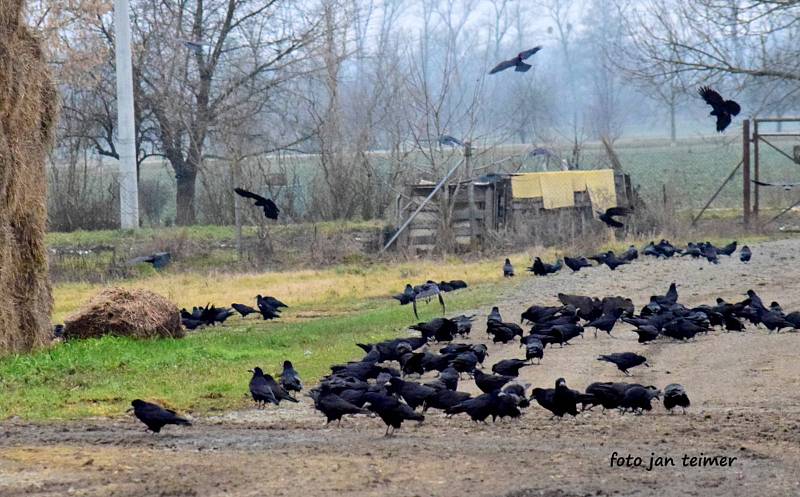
557, 189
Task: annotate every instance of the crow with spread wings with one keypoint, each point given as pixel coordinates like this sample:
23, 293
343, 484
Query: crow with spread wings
723, 109
608, 216
270, 209
517, 62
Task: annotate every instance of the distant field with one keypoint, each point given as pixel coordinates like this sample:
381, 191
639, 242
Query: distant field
691, 170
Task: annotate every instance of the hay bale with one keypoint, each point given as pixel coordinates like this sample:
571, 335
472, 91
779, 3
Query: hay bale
28, 108
128, 313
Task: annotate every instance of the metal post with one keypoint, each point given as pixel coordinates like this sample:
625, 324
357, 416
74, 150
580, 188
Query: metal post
473, 231
126, 132
755, 170
746, 172
237, 209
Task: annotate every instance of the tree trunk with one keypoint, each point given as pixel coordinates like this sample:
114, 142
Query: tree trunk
673, 132
184, 200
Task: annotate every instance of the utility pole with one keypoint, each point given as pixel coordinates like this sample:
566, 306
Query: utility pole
473, 231
126, 127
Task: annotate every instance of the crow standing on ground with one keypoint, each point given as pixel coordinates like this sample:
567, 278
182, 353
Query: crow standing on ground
271, 210
244, 310
155, 416
290, 379
624, 360
559, 400
577, 263
332, 405
391, 411
723, 109
508, 269
260, 389
745, 254
675, 396
516, 62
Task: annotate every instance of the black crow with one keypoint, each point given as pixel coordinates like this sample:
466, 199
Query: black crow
464, 324
279, 392
608, 216
675, 396
647, 333
155, 416
682, 329
333, 406
270, 301
577, 263
444, 399
391, 411
624, 360
671, 297
478, 408
490, 382
605, 322
508, 269
159, 260
447, 379
534, 349
465, 362
745, 254
509, 367
786, 186
516, 62
539, 268
559, 400
638, 399
536, 313
438, 329
631, 254
414, 394
450, 141
728, 249
407, 296
290, 379
261, 390
426, 292
494, 315
271, 210
723, 109
243, 309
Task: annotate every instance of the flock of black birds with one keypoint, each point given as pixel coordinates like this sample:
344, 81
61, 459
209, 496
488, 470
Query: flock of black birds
662, 250
373, 385
210, 315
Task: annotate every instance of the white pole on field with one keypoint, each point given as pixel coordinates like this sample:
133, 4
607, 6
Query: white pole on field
126, 127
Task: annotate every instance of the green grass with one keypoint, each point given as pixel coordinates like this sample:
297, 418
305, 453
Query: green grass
202, 373
199, 233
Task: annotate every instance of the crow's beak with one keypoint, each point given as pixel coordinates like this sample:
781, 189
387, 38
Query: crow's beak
647, 365
249, 370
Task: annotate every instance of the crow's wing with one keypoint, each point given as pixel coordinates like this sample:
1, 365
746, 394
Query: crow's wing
711, 97
723, 120
783, 185
270, 209
618, 211
503, 66
244, 193
732, 107
527, 53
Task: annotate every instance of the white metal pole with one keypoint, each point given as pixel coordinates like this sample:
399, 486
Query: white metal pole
126, 127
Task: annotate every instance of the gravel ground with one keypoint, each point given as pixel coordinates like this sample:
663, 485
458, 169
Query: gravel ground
743, 386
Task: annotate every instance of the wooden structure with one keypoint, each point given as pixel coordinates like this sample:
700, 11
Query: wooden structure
496, 208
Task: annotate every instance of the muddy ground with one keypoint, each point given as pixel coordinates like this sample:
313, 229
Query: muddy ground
745, 389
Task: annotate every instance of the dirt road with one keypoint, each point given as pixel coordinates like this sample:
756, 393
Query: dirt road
744, 389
